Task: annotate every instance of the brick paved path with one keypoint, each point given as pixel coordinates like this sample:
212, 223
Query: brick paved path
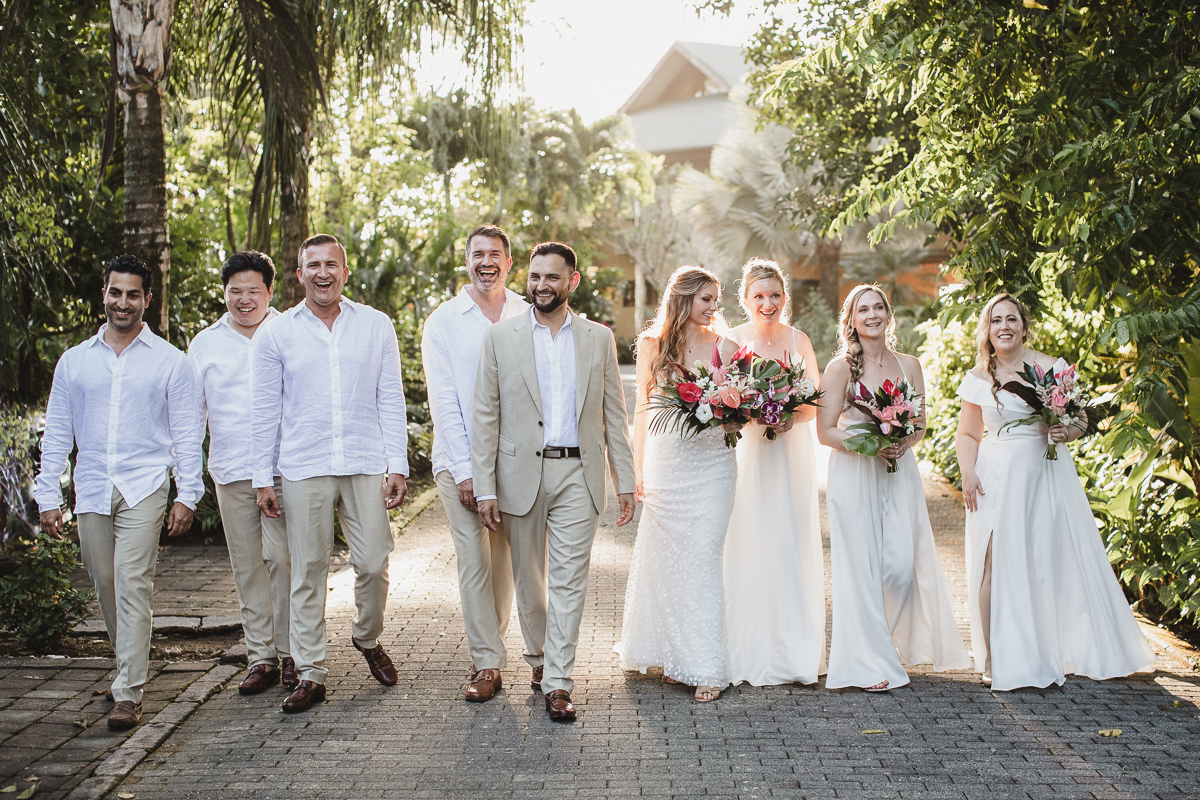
944, 736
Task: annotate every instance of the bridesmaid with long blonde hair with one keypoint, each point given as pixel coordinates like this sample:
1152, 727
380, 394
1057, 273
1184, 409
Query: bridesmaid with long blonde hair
890, 602
674, 602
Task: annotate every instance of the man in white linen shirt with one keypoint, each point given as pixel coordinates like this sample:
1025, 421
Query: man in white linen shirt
450, 353
548, 415
328, 370
128, 399
223, 356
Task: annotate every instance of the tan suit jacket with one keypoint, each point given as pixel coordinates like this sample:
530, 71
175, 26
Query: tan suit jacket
506, 429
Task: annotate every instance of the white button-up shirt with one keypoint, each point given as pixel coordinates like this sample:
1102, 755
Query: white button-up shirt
554, 358
338, 393
450, 347
134, 416
224, 364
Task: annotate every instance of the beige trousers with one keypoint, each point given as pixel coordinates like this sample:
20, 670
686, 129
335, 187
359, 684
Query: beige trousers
262, 570
551, 550
485, 582
120, 552
310, 505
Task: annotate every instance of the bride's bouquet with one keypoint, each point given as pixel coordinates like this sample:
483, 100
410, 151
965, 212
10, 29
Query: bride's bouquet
776, 389
892, 410
707, 397
1055, 396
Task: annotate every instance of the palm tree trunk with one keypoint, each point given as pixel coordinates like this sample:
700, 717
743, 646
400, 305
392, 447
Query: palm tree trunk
829, 271
141, 33
293, 216
147, 234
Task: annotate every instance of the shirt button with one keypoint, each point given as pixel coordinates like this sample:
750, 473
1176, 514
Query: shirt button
540, 424
537, 452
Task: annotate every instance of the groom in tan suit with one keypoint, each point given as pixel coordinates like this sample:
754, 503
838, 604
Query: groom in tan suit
548, 412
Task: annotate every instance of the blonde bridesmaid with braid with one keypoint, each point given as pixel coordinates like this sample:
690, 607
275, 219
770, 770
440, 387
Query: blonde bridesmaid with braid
890, 602
1044, 600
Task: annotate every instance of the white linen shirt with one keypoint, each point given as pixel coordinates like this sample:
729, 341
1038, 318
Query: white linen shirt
338, 393
450, 347
554, 359
224, 364
134, 416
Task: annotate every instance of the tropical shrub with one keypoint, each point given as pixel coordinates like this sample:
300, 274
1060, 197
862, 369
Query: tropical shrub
37, 602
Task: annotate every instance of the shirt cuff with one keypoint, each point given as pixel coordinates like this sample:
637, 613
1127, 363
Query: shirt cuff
461, 471
483, 497
188, 500
263, 480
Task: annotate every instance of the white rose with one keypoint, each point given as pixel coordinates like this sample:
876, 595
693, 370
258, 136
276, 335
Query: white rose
806, 387
704, 412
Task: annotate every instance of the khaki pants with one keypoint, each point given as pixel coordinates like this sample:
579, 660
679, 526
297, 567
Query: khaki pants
120, 551
485, 582
310, 505
262, 570
551, 551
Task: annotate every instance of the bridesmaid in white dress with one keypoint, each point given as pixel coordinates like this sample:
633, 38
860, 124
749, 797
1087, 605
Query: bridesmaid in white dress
890, 602
674, 603
1044, 599
774, 567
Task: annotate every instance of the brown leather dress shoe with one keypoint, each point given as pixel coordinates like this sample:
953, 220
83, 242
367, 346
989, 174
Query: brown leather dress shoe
303, 698
484, 685
536, 683
260, 678
558, 706
381, 666
124, 715
288, 676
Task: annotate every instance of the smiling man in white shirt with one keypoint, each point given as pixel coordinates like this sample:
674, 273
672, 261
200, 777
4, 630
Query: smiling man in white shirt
128, 399
328, 372
223, 355
450, 345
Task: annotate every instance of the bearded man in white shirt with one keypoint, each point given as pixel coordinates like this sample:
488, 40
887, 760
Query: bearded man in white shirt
223, 356
128, 399
548, 416
328, 371
450, 345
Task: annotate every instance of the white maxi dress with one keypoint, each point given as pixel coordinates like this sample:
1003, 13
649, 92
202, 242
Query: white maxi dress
674, 614
1056, 608
891, 606
774, 567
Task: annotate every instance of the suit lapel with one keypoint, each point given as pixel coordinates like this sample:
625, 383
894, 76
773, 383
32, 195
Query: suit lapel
522, 340
583, 362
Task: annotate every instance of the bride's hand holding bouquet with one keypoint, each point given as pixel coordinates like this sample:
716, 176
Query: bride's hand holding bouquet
706, 397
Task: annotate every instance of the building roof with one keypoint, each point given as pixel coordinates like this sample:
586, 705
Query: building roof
689, 70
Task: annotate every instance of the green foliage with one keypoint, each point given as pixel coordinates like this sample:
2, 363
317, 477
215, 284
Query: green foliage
37, 602
814, 317
18, 469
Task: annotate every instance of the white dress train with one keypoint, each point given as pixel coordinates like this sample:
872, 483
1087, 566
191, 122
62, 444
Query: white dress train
891, 606
1056, 607
674, 603
774, 567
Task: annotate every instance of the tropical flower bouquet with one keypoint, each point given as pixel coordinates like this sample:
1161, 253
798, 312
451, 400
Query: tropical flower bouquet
893, 410
1055, 396
775, 389
707, 397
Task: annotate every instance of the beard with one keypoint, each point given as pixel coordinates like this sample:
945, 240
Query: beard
133, 322
549, 306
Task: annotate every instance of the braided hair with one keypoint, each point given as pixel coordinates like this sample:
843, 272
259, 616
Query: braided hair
849, 347
985, 358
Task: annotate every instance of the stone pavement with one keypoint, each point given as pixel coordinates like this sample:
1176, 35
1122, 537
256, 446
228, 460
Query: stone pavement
943, 736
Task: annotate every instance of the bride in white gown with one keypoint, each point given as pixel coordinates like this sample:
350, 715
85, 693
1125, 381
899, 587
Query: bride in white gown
1044, 600
674, 604
774, 568
890, 602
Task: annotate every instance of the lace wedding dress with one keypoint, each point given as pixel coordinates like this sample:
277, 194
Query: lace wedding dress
674, 602
1057, 608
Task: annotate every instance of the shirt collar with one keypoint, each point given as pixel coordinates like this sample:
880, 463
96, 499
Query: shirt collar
302, 308
225, 318
533, 318
465, 302
145, 336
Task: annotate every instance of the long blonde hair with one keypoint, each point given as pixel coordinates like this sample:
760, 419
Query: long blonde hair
670, 320
985, 356
760, 269
849, 347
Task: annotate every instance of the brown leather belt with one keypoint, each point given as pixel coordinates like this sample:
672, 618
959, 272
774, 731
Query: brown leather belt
560, 452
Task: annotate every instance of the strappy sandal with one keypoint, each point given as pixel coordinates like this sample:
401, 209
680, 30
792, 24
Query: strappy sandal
707, 690
671, 681
882, 686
